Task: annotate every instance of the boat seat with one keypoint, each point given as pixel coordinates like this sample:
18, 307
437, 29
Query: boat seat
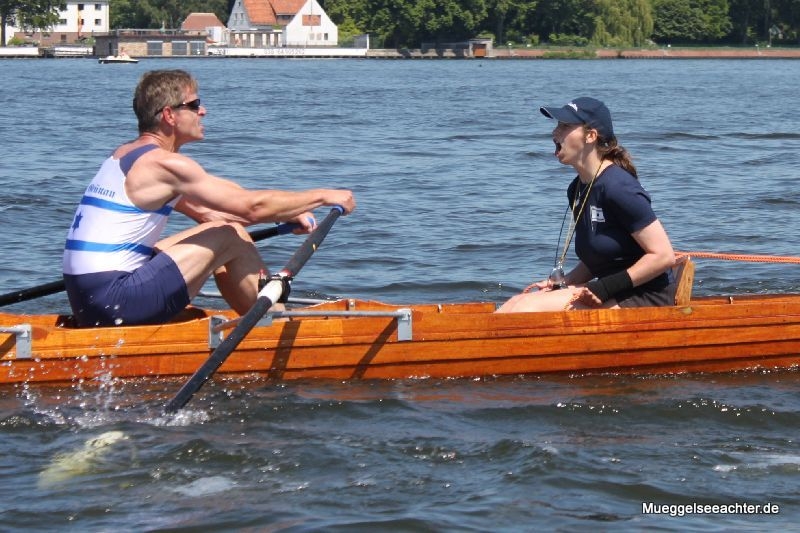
683, 271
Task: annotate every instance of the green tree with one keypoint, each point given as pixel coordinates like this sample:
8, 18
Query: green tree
508, 19
408, 23
346, 15
27, 14
393, 23
622, 23
128, 14
449, 20
752, 20
716, 19
8, 11
690, 21
788, 20
169, 14
564, 17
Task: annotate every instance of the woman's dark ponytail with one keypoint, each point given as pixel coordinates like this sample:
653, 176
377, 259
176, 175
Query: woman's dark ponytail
614, 152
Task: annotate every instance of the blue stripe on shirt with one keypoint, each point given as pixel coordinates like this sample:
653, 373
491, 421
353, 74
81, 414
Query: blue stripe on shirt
113, 206
86, 246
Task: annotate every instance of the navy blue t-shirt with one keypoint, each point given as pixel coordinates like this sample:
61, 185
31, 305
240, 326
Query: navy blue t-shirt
617, 206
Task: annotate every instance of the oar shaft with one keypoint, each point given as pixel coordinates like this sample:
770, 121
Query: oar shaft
54, 287
225, 348
34, 292
311, 244
270, 294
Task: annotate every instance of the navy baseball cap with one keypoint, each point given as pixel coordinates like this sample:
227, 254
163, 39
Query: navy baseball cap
584, 110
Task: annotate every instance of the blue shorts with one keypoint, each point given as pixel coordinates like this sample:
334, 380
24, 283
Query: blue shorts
152, 294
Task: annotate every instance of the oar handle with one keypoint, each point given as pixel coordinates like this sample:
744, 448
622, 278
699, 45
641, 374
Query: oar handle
270, 294
280, 229
54, 287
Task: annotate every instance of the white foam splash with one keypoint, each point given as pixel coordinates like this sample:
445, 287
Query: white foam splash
69, 465
206, 485
761, 462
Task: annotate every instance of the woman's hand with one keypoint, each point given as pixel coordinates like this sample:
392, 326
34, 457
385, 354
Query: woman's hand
586, 297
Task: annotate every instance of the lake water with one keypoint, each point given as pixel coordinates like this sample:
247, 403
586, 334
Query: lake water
460, 199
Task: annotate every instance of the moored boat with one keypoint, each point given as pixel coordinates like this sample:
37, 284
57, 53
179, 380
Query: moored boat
122, 58
354, 339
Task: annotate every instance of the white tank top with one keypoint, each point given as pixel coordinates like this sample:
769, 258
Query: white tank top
108, 232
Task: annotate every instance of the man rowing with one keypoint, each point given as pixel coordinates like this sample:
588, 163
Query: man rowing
117, 267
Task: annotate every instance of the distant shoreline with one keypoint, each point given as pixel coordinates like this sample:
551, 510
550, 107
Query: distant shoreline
496, 53
500, 52
755, 52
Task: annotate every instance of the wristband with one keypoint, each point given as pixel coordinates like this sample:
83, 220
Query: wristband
606, 287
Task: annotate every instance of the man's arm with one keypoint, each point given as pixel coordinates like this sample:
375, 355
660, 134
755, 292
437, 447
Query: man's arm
201, 214
168, 174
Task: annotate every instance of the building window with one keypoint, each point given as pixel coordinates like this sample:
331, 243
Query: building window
98, 7
180, 48
198, 47
98, 22
326, 36
155, 48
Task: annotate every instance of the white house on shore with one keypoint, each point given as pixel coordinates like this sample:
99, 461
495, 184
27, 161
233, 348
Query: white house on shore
281, 23
77, 22
205, 25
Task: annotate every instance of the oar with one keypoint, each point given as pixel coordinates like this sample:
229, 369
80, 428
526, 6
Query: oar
34, 292
57, 286
270, 294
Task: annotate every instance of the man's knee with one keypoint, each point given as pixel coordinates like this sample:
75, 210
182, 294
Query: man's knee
229, 232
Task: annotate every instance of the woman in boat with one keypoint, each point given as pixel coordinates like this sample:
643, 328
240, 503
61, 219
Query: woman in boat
624, 253
118, 269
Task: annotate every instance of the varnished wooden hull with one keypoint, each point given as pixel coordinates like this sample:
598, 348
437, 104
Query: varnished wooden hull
449, 340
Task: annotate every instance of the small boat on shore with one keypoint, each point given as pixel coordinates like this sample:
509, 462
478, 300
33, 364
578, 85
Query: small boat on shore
122, 58
354, 339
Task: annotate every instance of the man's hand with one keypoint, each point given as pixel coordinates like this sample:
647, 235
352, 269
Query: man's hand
341, 197
306, 221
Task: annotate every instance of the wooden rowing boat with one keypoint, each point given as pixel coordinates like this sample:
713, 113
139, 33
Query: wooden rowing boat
354, 339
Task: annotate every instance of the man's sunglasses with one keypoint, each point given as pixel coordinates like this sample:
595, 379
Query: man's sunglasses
194, 105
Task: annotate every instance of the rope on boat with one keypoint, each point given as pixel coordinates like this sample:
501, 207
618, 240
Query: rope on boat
743, 257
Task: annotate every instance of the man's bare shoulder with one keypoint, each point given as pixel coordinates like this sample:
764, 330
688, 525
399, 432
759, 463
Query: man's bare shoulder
157, 175
128, 147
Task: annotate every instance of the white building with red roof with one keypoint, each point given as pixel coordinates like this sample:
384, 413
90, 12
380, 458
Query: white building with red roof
281, 23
